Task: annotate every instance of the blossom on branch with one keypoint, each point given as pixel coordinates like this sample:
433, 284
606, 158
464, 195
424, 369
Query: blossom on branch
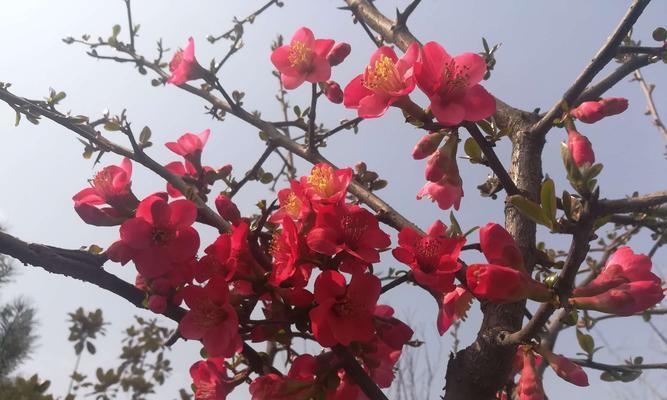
304, 59
386, 81
452, 85
184, 66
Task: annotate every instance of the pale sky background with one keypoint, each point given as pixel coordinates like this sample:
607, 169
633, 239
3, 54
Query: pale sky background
545, 45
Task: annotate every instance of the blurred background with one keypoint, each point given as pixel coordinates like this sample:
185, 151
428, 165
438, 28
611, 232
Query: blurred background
544, 47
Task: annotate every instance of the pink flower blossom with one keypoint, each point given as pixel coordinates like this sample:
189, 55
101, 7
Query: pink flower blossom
452, 85
184, 66
304, 59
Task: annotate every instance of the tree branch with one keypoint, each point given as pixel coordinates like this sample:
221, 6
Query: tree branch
492, 158
599, 61
633, 204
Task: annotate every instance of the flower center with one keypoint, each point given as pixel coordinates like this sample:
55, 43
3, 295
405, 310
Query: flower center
343, 307
383, 77
292, 205
206, 390
322, 181
353, 230
455, 78
208, 314
428, 253
162, 237
300, 56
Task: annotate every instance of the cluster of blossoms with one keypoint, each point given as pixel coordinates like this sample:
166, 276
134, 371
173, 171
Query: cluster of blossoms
310, 262
450, 83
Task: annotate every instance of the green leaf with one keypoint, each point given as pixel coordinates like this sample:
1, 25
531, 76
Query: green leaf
145, 135
660, 34
473, 150
486, 127
586, 342
112, 126
455, 227
18, 119
115, 30
530, 209
548, 200
91, 348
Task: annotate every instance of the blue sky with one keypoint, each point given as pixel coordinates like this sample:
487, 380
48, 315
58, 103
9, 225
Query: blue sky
544, 46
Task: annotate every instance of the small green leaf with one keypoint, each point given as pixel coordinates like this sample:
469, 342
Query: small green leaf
112, 126
115, 30
548, 199
660, 34
18, 119
455, 227
91, 348
586, 342
473, 151
530, 209
145, 135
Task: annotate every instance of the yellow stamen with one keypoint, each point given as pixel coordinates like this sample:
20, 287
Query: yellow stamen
300, 56
322, 180
292, 205
383, 77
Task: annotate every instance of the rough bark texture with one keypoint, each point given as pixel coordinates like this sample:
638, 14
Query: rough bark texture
478, 371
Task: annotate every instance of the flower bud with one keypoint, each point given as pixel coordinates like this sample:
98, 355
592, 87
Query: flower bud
338, 53
499, 247
613, 105
227, 209
580, 148
443, 162
565, 368
427, 145
588, 112
530, 384
157, 303
626, 299
333, 92
504, 285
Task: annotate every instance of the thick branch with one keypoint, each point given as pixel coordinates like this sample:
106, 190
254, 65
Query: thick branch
633, 204
606, 83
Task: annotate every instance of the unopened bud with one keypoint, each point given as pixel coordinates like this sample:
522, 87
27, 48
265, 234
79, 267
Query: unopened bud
333, 92
338, 53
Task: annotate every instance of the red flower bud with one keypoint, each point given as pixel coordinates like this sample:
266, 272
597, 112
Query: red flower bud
443, 162
333, 92
427, 145
565, 368
338, 53
588, 112
614, 105
530, 384
580, 149
503, 284
626, 299
227, 209
499, 247
157, 303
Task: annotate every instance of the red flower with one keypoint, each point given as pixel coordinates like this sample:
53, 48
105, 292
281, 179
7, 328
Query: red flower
159, 236
186, 169
390, 330
442, 163
565, 368
211, 319
293, 204
588, 112
499, 247
427, 145
210, 380
333, 92
626, 299
349, 229
190, 146
184, 66
385, 81
111, 186
304, 59
432, 257
326, 185
614, 105
276, 387
227, 209
580, 148
530, 384
622, 267
446, 193
504, 284
338, 53
289, 249
453, 307
452, 85
592, 111
344, 313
